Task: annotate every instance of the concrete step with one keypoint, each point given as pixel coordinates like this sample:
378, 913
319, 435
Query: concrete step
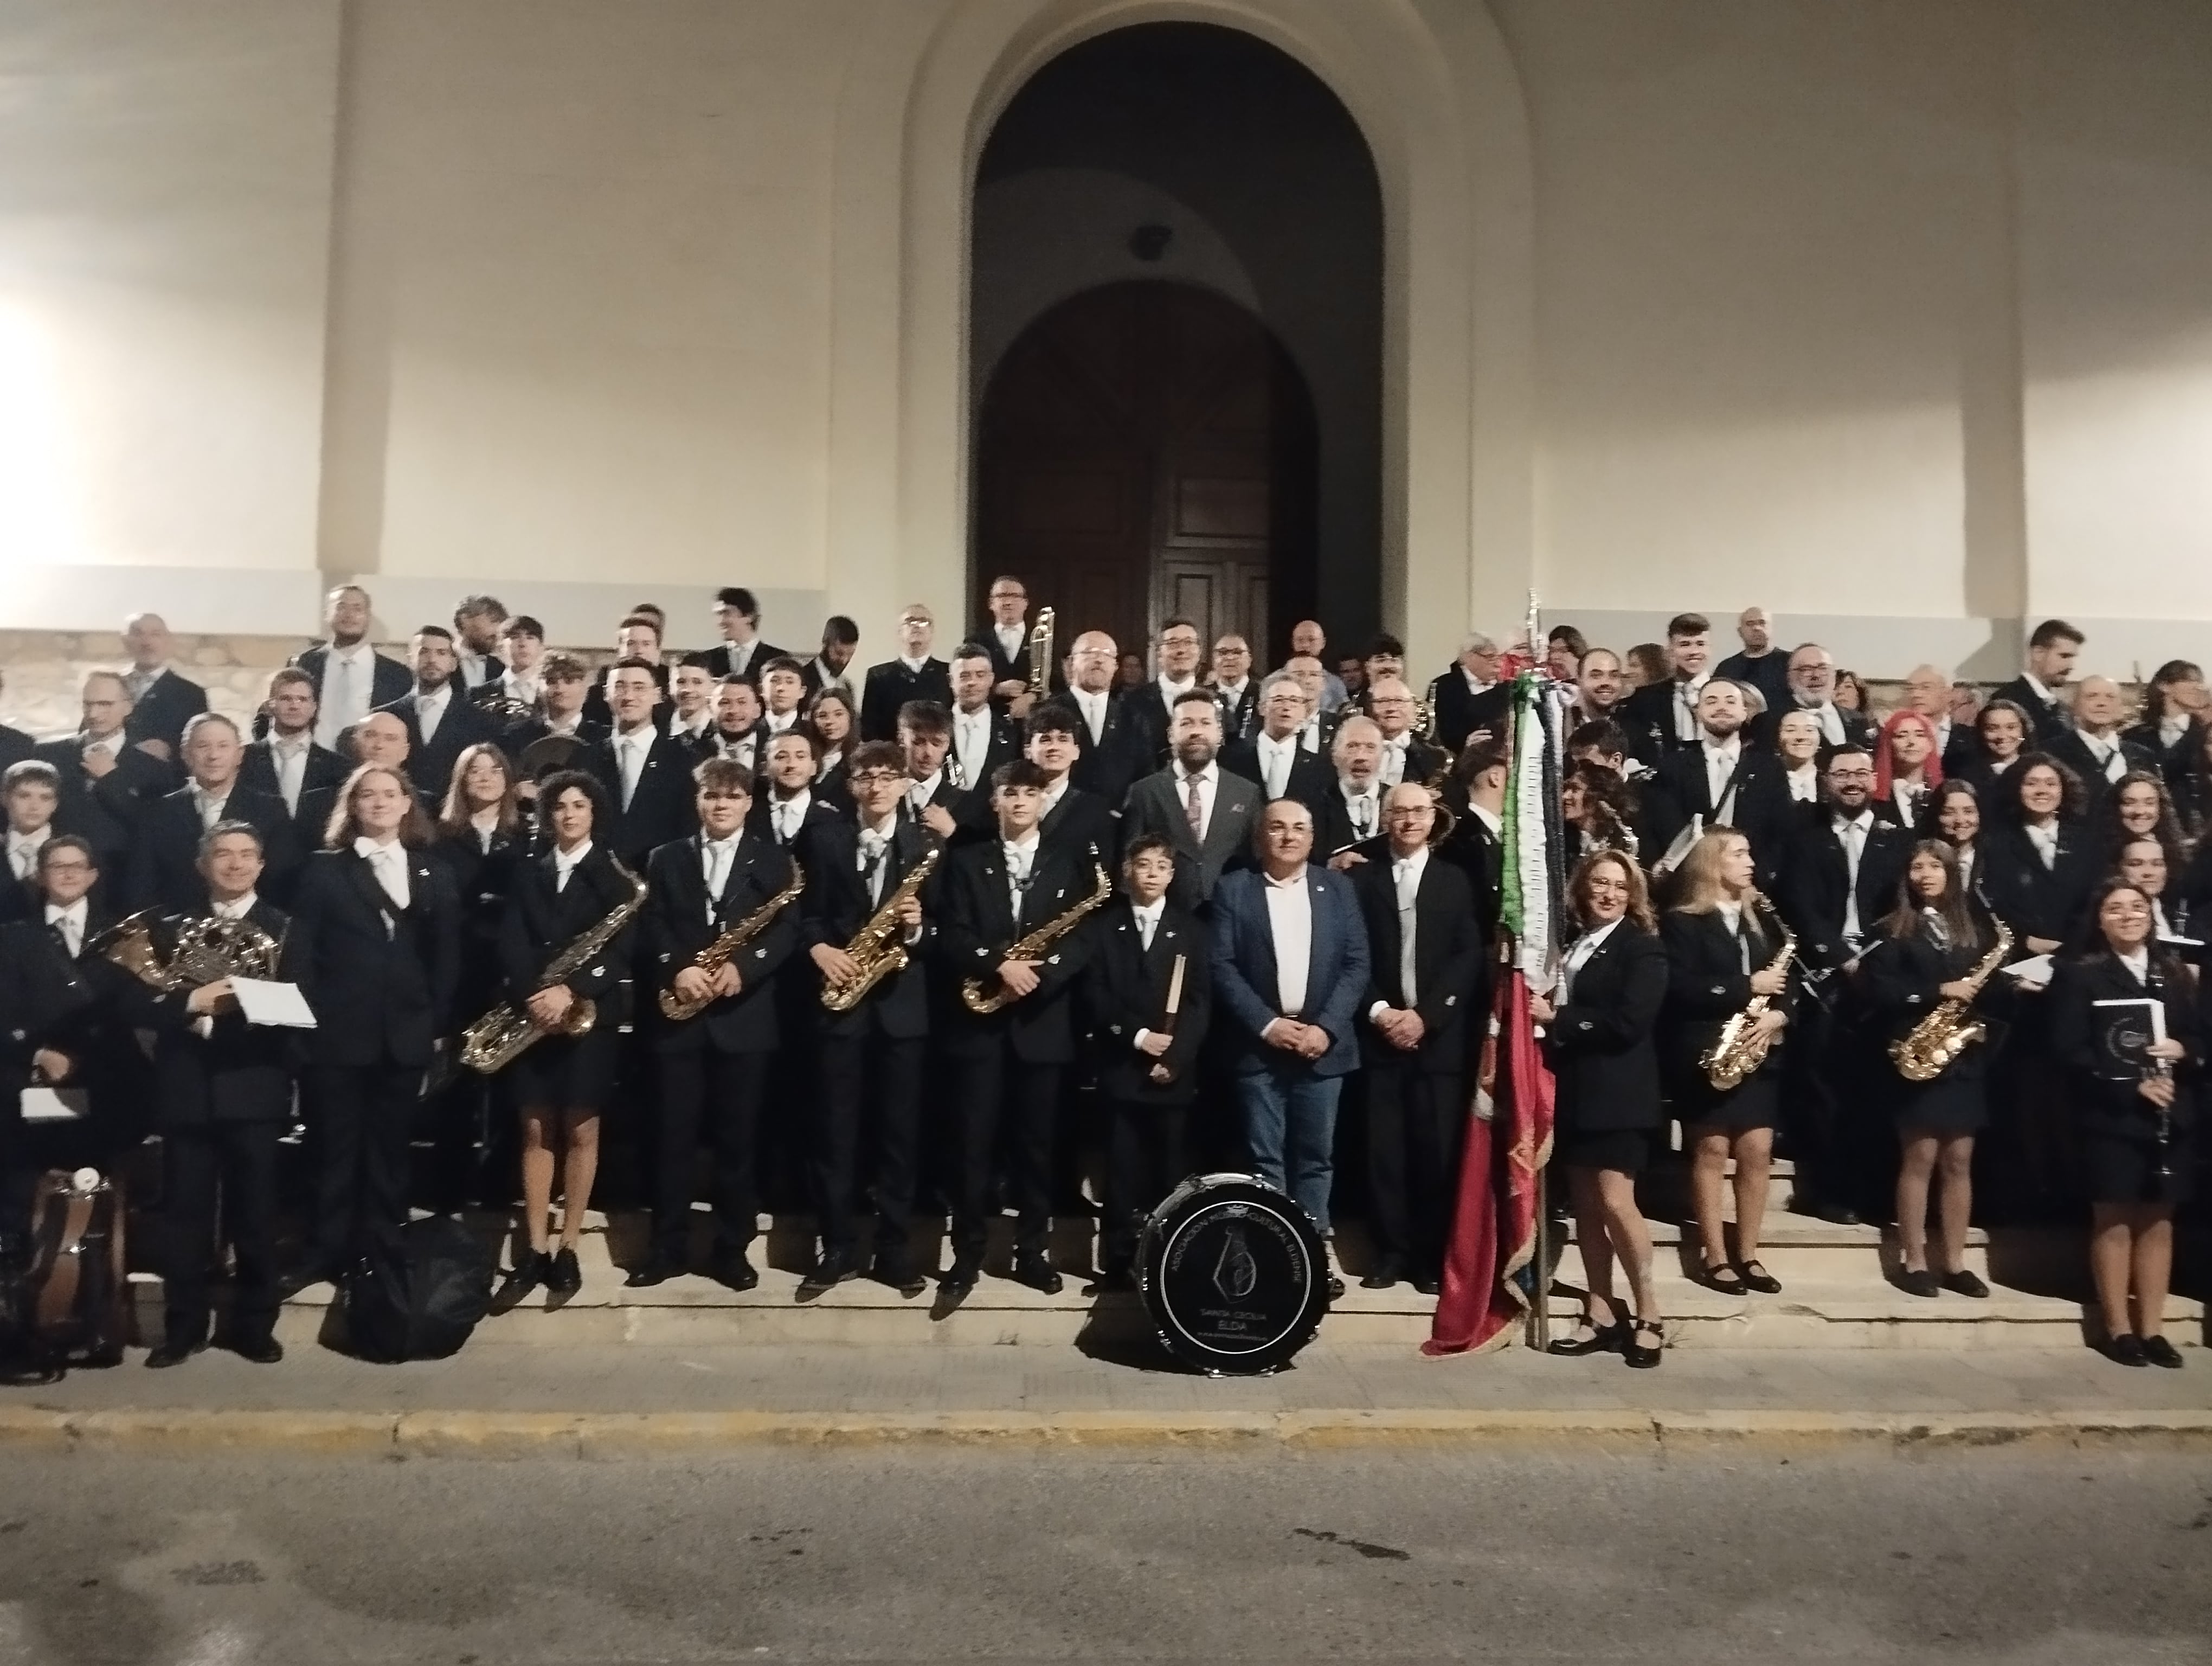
1797, 1248
1819, 1307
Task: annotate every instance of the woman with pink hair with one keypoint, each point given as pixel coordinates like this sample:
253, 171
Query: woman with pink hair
1908, 766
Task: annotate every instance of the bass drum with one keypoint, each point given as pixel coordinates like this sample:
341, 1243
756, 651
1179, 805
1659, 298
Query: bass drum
1233, 1274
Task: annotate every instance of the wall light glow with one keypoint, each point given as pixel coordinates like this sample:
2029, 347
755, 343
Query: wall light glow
37, 527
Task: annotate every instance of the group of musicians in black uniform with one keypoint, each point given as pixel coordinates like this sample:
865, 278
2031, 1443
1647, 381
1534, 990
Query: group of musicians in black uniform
861, 922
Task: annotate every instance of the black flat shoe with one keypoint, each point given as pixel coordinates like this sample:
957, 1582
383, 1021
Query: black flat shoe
1723, 1277
1640, 1358
1922, 1283
1963, 1283
899, 1276
171, 1353
565, 1278
736, 1272
1382, 1275
530, 1270
1756, 1277
2160, 1352
1602, 1339
1036, 1271
1428, 1284
649, 1274
2126, 1349
958, 1282
826, 1274
260, 1351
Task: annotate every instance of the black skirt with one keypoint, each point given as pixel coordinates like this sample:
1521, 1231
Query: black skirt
2119, 1169
1754, 1104
564, 1072
1624, 1151
1946, 1107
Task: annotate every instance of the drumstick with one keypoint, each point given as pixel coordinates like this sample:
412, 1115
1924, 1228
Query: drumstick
1175, 996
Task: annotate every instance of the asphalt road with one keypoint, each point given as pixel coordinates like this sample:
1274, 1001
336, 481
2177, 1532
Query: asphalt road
2097, 1559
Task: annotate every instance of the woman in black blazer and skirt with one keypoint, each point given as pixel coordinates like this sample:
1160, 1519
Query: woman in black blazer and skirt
1722, 940
1598, 1035
1920, 955
2135, 1107
569, 887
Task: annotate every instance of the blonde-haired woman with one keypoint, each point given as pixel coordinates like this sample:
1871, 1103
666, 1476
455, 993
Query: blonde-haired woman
1722, 940
1598, 1034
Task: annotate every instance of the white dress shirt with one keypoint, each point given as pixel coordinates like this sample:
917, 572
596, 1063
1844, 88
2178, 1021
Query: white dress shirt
1721, 759
1393, 770
922, 792
2106, 749
1405, 879
1579, 957
209, 804
430, 710
1148, 920
1011, 639
474, 669
631, 751
1170, 692
1851, 833
971, 744
484, 824
2044, 836
1093, 708
789, 813
1363, 805
1804, 783
741, 656
2172, 728
1685, 705
1209, 788
237, 909
1277, 759
288, 760
23, 850
387, 860
348, 681
565, 862
1830, 720
137, 681
716, 857
780, 722
1021, 860
1290, 925
516, 686
71, 919
2139, 965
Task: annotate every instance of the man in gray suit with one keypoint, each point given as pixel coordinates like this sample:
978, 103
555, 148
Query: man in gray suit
1204, 813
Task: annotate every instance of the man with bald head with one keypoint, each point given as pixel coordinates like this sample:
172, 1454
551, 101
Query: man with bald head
1813, 691
161, 702
1320, 727
1758, 663
1309, 642
352, 677
1107, 759
1928, 691
1405, 755
2090, 744
107, 783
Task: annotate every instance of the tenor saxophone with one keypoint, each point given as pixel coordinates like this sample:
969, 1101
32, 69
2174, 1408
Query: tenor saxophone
1740, 1048
876, 950
716, 955
1933, 1045
982, 1001
502, 1035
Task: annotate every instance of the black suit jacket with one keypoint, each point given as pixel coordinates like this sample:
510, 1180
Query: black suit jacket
1155, 806
2106, 1100
388, 679
107, 810
2050, 717
677, 927
1148, 717
430, 763
1815, 886
1333, 827
1003, 666
2170, 758
236, 1073
47, 1000
1762, 811
15, 746
1901, 978
164, 871
664, 806
325, 770
162, 711
596, 711
1004, 746
1460, 711
976, 927
836, 905
1648, 715
381, 981
1125, 989
718, 664
1310, 779
2070, 750
1707, 984
891, 685
1480, 854
1448, 961
1108, 765
1240, 718
540, 922
760, 823
1082, 823
2035, 901
1602, 1043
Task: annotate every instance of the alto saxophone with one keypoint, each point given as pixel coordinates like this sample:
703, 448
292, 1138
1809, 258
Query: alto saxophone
1933, 1045
505, 1033
983, 1002
876, 949
716, 955
1742, 1047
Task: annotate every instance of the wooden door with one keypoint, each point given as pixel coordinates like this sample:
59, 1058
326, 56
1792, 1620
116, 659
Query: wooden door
1146, 450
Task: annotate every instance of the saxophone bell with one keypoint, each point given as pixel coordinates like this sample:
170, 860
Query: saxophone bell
1742, 1047
505, 1033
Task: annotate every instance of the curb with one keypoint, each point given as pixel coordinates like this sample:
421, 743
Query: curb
514, 1435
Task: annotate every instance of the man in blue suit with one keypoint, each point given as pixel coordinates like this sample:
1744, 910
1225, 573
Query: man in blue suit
1289, 966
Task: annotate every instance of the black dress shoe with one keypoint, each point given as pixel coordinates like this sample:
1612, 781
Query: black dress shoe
1382, 1275
1429, 1284
532, 1269
1602, 1339
646, 1274
1923, 1283
899, 1276
259, 1350
959, 1281
1756, 1277
2126, 1349
827, 1273
172, 1353
2160, 1352
1640, 1358
1038, 1273
566, 1278
1963, 1283
734, 1271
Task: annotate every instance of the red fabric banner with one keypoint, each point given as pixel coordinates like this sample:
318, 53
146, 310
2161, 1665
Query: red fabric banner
1493, 1237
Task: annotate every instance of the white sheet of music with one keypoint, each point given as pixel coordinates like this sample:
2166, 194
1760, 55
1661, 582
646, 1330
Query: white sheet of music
276, 1005
53, 1104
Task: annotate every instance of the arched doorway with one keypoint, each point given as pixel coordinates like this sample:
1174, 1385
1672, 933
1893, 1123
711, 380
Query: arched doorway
1146, 451
1175, 331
